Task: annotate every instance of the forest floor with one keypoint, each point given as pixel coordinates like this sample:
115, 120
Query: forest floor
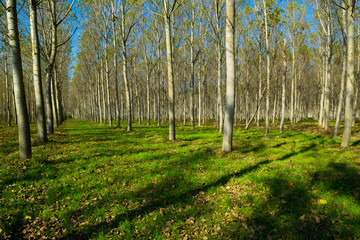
97, 182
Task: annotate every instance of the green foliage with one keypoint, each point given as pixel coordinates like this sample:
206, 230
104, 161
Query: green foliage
93, 181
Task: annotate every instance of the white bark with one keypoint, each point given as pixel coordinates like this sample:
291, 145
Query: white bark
267, 71
39, 96
171, 89
230, 76
350, 76
283, 97
19, 90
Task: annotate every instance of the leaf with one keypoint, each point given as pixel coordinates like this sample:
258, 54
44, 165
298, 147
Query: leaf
27, 217
302, 218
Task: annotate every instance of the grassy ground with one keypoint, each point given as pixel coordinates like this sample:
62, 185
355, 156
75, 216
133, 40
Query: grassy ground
95, 182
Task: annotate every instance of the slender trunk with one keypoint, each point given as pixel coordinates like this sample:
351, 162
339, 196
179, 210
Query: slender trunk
103, 91
50, 68
147, 87
235, 97
39, 96
343, 75
127, 89
274, 108
219, 98
230, 76
49, 110
117, 109
99, 96
125, 77
14, 106
159, 82
19, 90
355, 105
192, 65
267, 72
200, 96
327, 81
57, 95
283, 98
53, 100
107, 75
8, 96
292, 87
260, 87
148, 97
171, 104
350, 76
184, 105
138, 104
321, 112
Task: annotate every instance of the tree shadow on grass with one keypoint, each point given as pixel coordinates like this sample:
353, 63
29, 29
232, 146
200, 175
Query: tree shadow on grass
341, 178
305, 149
285, 214
161, 196
166, 193
291, 209
245, 147
356, 143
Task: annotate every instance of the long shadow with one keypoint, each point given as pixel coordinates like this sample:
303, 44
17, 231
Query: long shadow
291, 211
162, 202
159, 197
8, 147
341, 178
308, 148
245, 147
356, 143
284, 215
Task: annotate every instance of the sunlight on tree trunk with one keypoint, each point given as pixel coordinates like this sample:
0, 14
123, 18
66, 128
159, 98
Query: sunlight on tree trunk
230, 76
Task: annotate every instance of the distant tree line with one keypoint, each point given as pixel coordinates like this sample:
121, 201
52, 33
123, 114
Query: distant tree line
167, 60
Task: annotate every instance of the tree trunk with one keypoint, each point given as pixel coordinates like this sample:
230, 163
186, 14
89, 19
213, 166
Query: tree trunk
49, 110
327, 83
107, 75
343, 75
267, 72
219, 98
230, 76
200, 96
171, 104
117, 108
159, 82
127, 89
147, 87
350, 76
283, 98
192, 65
57, 96
19, 90
260, 87
8, 96
53, 99
99, 96
126, 81
103, 91
293, 71
39, 96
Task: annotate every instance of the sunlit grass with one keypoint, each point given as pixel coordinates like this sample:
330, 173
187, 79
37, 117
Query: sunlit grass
94, 181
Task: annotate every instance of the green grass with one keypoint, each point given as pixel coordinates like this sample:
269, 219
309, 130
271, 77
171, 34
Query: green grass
95, 182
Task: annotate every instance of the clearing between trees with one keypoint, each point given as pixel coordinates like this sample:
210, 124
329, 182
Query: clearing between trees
95, 181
